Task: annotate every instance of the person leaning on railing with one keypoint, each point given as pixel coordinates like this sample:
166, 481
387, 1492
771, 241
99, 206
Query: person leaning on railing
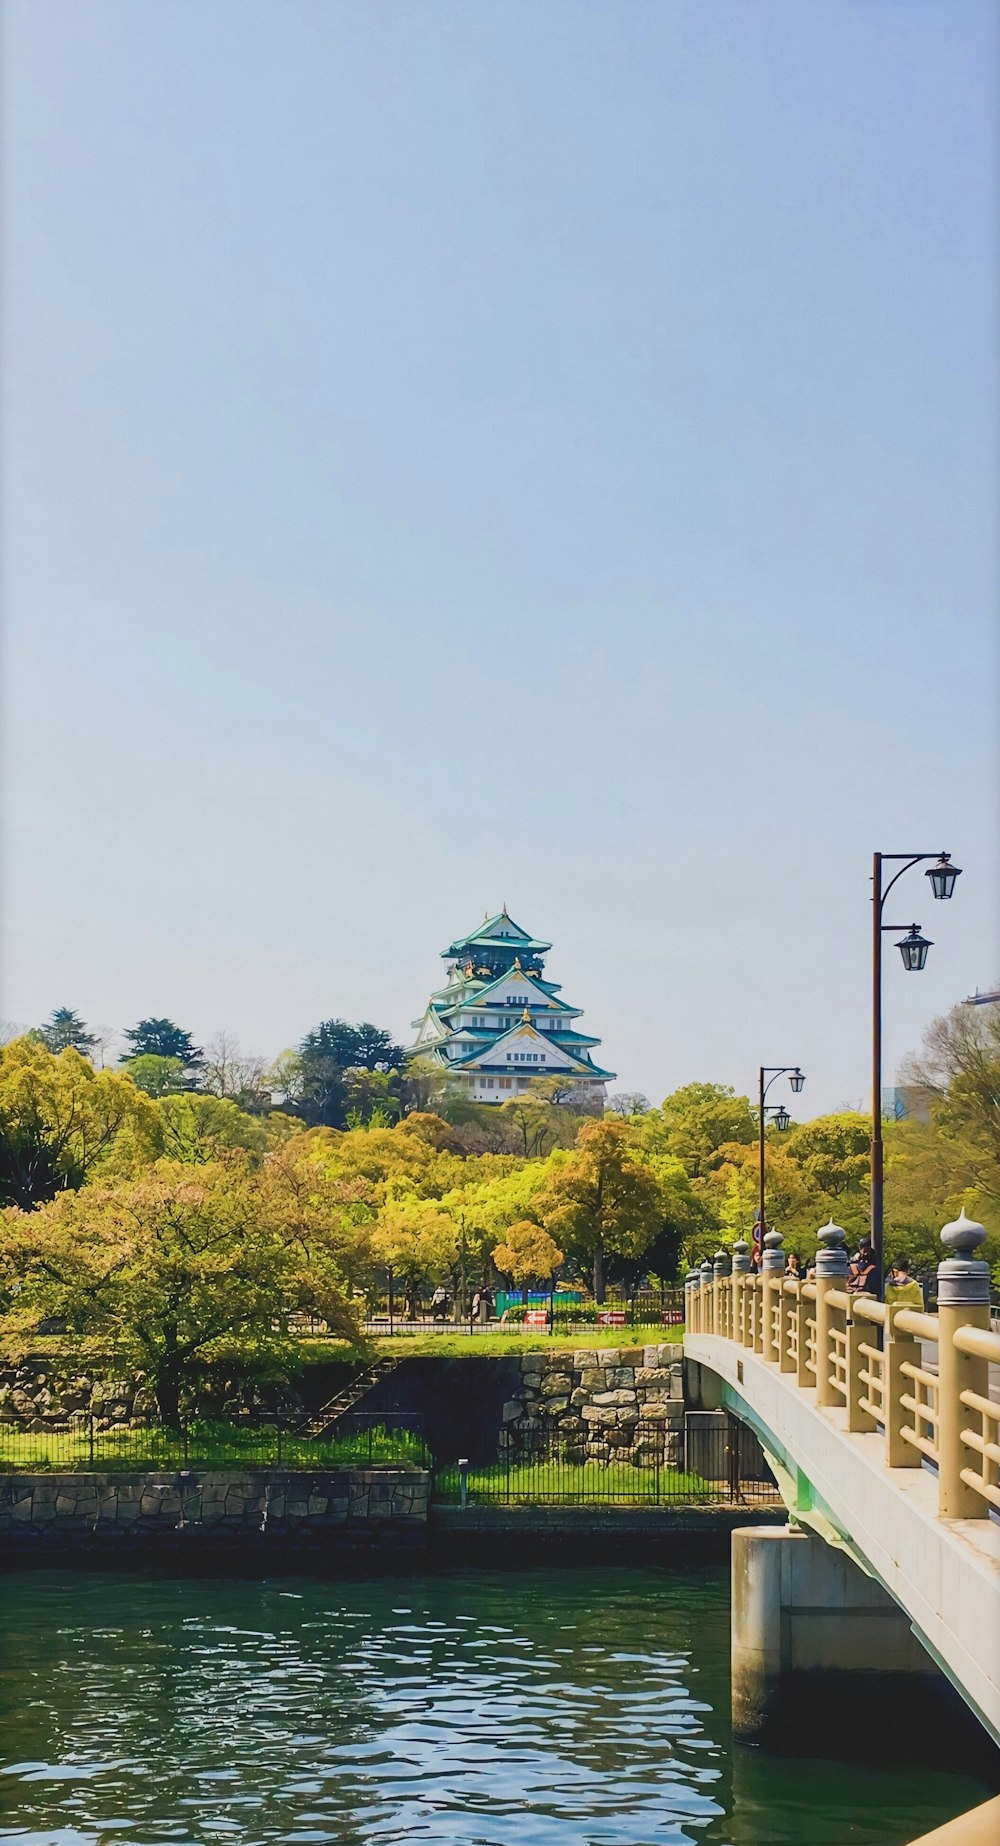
864, 1278
903, 1290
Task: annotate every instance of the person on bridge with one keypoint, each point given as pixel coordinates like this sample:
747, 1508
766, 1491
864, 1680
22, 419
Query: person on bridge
793, 1267
902, 1289
864, 1278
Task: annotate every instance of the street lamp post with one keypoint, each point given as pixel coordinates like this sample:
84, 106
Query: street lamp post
768, 1074
913, 949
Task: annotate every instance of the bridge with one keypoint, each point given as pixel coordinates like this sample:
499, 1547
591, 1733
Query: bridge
882, 1425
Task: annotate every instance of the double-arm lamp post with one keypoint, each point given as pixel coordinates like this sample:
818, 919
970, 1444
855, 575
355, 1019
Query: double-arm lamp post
913, 948
768, 1074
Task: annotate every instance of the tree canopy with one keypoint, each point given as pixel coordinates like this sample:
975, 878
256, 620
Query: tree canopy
161, 1038
65, 1030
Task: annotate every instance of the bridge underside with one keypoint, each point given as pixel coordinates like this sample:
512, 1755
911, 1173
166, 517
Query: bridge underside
944, 1574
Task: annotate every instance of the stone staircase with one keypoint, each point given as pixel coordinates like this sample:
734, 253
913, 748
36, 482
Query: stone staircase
348, 1397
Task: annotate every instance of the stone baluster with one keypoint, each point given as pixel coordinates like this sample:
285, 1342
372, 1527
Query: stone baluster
832, 1270
898, 1349
720, 1292
691, 1281
963, 1301
707, 1275
741, 1269
772, 1268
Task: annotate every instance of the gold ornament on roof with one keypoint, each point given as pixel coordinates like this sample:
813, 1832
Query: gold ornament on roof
526, 1016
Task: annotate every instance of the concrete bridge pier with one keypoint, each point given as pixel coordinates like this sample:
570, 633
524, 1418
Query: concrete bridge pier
822, 1657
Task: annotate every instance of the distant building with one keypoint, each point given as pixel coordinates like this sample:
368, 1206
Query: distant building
907, 1102
497, 1022
989, 998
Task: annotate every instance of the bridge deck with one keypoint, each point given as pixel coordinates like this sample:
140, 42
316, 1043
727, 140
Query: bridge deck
944, 1572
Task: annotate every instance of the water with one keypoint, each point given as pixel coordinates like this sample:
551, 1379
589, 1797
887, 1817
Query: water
579, 1707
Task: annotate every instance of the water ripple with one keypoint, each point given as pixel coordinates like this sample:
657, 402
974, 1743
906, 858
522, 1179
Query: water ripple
547, 1708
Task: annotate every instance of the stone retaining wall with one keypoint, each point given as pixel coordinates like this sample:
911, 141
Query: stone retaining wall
384, 1507
602, 1401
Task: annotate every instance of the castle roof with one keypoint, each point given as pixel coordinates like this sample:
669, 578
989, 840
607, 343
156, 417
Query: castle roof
492, 930
479, 994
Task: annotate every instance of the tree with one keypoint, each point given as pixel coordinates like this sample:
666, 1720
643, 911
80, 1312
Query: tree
59, 1118
528, 1254
229, 1073
415, 1239
628, 1102
960, 1068
375, 1049
66, 1031
536, 1120
603, 1201
371, 1095
696, 1122
834, 1151
178, 1271
161, 1038
156, 1076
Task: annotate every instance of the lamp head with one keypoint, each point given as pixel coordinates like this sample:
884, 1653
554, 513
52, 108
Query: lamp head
943, 876
913, 948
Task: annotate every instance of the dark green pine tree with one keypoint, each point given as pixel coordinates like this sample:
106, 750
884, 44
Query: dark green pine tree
326, 1053
160, 1038
64, 1029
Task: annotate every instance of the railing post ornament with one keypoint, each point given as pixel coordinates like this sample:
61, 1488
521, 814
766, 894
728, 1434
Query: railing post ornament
832, 1269
963, 1301
831, 1257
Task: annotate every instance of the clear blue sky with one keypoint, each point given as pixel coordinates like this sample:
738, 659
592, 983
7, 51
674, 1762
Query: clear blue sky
457, 453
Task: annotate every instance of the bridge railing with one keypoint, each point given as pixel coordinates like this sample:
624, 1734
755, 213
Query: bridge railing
921, 1379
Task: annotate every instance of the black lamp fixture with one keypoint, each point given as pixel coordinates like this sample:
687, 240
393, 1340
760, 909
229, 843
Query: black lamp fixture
796, 1080
943, 876
782, 1119
913, 948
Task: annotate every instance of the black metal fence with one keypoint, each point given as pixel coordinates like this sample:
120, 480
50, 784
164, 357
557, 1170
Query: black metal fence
708, 1460
90, 1444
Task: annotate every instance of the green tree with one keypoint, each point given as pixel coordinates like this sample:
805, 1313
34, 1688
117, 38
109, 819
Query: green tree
178, 1271
696, 1122
66, 1031
59, 1118
834, 1152
603, 1200
959, 1068
161, 1038
154, 1075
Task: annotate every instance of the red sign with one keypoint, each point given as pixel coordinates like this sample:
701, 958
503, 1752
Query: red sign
611, 1317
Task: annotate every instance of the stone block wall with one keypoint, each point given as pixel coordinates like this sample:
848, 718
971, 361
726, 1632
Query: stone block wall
362, 1506
35, 1397
605, 1403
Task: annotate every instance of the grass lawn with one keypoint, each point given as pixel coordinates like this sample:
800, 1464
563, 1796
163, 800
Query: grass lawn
490, 1345
567, 1482
209, 1445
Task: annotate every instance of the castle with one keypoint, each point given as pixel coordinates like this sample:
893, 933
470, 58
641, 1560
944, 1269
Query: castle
497, 1023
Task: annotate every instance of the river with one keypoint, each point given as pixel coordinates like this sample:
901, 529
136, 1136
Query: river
576, 1707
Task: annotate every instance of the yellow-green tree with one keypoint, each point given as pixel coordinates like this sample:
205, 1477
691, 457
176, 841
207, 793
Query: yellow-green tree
59, 1117
527, 1254
180, 1270
603, 1199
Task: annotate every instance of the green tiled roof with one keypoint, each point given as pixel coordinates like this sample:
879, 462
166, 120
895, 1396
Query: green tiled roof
481, 939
